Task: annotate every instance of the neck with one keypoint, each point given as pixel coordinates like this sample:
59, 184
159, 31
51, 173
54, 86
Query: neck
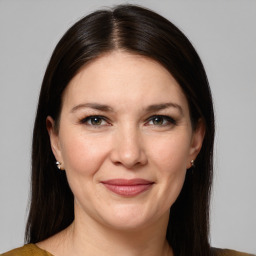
86, 236
89, 237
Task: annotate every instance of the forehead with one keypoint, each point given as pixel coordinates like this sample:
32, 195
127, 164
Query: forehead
121, 78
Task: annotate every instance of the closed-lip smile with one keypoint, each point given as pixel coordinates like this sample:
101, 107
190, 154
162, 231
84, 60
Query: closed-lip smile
127, 187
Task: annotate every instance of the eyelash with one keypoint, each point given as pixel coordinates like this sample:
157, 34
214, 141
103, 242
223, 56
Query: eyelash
166, 119
169, 120
89, 118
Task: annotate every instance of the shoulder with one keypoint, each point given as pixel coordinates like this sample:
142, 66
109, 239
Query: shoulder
227, 252
27, 250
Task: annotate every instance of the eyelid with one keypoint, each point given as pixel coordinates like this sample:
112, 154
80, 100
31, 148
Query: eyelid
169, 119
89, 117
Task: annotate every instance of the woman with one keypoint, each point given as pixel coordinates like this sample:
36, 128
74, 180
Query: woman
123, 142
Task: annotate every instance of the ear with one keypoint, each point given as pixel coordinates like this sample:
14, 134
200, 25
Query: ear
54, 139
196, 141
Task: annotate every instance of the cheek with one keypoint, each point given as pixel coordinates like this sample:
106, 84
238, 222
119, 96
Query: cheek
171, 153
170, 159
83, 155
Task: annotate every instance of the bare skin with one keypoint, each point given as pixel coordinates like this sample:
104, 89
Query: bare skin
124, 117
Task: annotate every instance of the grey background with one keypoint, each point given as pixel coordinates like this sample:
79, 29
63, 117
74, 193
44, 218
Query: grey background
223, 32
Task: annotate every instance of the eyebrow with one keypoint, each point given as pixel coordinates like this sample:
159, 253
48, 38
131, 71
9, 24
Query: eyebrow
106, 108
97, 106
157, 107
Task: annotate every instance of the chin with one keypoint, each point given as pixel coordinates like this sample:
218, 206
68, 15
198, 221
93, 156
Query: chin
129, 218
127, 224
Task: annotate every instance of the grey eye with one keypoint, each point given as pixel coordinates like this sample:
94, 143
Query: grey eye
95, 121
158, 120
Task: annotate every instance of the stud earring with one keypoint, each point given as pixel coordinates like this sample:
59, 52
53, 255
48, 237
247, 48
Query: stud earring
192, 163
58, 164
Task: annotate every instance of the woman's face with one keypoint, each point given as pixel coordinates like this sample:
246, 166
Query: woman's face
125, 140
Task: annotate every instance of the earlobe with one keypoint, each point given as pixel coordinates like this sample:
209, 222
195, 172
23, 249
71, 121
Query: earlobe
197, 141
54, 138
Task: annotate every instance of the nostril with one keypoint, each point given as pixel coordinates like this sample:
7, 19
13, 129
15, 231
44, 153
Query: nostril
118, 163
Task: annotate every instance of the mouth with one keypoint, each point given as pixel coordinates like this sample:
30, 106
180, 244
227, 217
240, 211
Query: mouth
126, 187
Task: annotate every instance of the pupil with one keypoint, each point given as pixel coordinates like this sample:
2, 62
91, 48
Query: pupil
158, 120
96, 121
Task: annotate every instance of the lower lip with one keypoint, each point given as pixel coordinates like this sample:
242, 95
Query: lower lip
128, 190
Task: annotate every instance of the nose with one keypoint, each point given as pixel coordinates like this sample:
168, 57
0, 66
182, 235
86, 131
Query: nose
128, 148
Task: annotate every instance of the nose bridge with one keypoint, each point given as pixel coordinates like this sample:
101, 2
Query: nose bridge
128, 149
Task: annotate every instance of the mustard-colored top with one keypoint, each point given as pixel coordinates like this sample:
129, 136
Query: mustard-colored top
33, 250
27, 250
227, 252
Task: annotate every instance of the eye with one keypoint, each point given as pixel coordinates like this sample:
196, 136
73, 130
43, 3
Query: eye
94, 121
160, 120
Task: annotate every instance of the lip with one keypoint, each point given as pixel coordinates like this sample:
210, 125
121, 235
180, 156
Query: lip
127, 187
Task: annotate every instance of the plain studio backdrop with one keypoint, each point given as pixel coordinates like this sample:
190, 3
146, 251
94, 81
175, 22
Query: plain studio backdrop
224, 34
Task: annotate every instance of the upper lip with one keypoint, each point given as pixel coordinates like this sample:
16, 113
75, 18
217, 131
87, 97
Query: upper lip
127, 182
